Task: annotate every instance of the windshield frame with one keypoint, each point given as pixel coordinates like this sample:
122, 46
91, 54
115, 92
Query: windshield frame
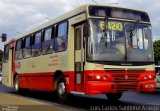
125, 62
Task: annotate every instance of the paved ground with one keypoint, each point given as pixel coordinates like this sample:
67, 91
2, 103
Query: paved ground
12, 102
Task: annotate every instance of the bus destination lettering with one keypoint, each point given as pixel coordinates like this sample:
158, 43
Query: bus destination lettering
54, 60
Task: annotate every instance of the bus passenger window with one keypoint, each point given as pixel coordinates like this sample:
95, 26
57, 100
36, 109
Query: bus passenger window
48, 43
6, 53
27, 47
36, 47
61, 40
19, 50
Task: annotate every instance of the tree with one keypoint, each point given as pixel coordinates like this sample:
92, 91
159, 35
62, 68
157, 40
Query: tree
156, 46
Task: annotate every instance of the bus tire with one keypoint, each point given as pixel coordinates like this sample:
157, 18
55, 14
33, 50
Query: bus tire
61, 90
17, 88
114, 96
16, 85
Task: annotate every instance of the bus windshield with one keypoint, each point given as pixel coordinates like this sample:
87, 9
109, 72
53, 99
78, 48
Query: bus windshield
119, 41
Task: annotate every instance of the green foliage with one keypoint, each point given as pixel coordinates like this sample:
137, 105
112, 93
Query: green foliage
156, 46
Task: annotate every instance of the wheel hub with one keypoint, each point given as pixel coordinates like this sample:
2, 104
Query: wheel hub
16, 86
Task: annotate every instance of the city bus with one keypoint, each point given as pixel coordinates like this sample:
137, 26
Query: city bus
93, 49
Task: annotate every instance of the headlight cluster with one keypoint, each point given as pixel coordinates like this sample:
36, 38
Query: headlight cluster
146, 77
97, 77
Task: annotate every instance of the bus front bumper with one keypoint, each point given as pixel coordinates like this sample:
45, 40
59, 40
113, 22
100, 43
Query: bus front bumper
103, 87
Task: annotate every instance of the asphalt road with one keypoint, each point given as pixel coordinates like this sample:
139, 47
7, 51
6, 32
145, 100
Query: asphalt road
130, 101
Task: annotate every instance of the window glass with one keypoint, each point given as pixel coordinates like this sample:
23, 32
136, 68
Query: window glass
19, 45
6, 53
48, 34
120, 42
146, 34
48, 43
27, 47
38, 38
27, 42
36, 47
19, 50
61, 41
62, 29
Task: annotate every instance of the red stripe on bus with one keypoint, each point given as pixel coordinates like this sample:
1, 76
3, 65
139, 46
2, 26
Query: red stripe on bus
44, 80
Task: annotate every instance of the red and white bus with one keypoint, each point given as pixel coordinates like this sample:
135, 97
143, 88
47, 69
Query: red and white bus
91, 50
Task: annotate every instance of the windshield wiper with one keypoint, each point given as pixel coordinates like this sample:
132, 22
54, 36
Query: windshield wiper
105, 30
106, 24
133, 30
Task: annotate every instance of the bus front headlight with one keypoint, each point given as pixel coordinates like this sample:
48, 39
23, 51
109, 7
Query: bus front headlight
98, 77
145, 77
104, 77
150, 76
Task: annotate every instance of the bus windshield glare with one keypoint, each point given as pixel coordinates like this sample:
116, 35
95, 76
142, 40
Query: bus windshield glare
119, 41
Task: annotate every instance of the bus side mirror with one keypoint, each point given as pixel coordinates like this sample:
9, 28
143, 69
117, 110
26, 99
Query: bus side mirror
4, 37
86, 30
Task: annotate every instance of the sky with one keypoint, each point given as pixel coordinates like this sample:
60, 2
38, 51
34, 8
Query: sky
18, 16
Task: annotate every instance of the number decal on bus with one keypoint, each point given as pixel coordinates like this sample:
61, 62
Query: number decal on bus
102, 24
117, 26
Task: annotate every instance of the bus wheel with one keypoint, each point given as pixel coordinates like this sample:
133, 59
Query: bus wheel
114, 96
16, 85
61, 90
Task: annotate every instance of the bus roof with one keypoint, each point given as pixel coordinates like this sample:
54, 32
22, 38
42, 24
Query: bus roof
69, 14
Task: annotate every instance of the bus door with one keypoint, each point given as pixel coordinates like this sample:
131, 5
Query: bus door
7, 66
79, 59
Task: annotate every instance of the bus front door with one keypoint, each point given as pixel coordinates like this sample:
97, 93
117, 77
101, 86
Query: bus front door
79, 59
7, 67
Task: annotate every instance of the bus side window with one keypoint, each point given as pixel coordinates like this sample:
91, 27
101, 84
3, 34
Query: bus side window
61, 40
6, 53
36, 46
48, 42
27, 47
19, 49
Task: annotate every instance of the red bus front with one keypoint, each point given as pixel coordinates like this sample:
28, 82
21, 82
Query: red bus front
119, 52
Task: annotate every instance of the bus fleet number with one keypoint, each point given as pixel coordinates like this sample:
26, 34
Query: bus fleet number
117, 26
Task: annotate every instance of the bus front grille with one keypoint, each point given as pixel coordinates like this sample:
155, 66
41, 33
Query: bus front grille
125, 82
126, 86
125, 77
